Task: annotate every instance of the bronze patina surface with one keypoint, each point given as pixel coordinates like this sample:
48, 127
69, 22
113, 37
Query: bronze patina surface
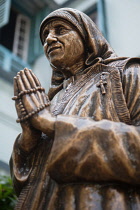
80, 144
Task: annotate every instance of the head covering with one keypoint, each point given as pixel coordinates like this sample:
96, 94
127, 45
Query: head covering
96, 45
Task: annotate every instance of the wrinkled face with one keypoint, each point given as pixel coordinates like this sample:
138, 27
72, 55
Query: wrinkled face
63, 45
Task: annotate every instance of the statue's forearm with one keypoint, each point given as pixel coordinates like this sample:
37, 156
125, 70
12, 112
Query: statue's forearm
95, 151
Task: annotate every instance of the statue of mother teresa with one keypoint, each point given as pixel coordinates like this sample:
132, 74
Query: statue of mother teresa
80, 144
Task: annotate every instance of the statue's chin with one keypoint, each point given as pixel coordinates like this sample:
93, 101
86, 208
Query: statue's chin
58, 62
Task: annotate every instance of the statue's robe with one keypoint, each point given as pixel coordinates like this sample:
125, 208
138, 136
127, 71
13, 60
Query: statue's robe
93, 162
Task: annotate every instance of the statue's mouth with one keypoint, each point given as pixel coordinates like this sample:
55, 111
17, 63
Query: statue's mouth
52, 49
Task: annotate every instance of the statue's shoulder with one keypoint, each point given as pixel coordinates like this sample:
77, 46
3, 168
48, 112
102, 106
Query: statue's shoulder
132, 62
130, 71
123, 63
128, 66
132, 67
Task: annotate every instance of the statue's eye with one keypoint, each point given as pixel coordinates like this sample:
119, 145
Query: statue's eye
61, 30
45, 34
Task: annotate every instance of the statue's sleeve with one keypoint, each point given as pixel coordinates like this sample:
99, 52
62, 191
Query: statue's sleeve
87, 150
21, 163
26, 166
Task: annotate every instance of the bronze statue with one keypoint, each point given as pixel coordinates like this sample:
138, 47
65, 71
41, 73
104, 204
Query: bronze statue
80, 144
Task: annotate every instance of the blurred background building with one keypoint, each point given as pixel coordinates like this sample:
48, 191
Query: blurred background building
20, 47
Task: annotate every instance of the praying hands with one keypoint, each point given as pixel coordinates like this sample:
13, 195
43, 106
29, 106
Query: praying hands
32, 105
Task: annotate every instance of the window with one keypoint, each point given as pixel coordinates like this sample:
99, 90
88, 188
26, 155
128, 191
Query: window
14, 43
4, 11
15, 35
8, 30
21, 37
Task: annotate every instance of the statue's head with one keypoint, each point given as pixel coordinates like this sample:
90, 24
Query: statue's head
95, 45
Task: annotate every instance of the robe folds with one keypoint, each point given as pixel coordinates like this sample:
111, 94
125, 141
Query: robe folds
93, 162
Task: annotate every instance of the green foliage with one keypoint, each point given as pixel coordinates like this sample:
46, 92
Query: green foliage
7, 195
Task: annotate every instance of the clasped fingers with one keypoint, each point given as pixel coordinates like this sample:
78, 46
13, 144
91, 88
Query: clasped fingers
28, 90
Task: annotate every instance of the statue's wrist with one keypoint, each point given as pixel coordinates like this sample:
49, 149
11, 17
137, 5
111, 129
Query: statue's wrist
27, 141
44, 122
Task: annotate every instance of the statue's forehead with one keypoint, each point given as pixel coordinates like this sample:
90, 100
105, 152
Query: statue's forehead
55, 22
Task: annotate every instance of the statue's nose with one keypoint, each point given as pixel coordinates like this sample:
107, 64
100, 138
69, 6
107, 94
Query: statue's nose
51, 38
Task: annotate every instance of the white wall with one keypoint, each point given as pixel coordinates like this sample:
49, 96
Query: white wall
43, 71
123, 23
9, 129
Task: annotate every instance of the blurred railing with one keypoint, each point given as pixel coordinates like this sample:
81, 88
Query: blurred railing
9, 62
